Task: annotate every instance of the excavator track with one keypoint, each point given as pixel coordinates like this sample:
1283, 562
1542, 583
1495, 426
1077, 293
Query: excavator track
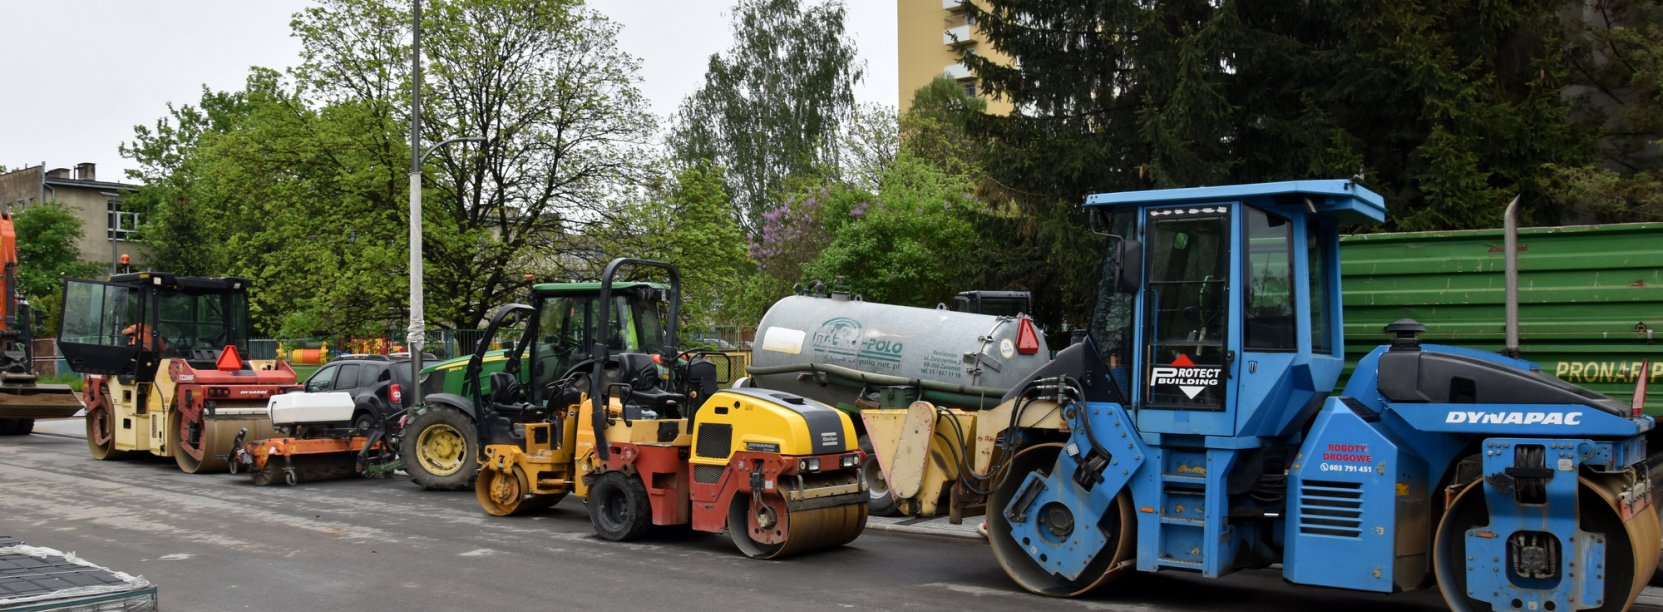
767, 529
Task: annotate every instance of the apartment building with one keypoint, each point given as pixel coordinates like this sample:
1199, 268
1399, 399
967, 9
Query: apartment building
110, 230
931, 35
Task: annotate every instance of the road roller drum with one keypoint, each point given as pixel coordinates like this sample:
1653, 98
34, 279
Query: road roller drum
214, 438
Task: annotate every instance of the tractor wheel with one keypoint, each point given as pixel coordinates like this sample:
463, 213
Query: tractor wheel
618, 507
8, 427
25, 427
881, 502
439, 451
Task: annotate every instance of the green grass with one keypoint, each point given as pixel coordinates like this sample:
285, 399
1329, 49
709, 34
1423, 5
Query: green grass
73, 380
302, 372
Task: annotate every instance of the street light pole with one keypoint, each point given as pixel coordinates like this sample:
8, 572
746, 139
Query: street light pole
416, 337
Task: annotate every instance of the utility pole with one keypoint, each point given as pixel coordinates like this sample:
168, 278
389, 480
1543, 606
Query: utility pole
416, 340
416, 337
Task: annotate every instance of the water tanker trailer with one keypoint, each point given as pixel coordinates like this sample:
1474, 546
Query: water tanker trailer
915, 377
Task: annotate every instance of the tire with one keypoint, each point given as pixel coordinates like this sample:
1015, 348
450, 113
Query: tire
24, 427
363, 422
440, 449
8, 427
879, 502
618, 507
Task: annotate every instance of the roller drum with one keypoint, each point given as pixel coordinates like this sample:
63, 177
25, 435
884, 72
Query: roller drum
799, 531
940, 346
217, 435
1630, 545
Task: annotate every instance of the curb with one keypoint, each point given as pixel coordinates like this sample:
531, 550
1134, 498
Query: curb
925, 531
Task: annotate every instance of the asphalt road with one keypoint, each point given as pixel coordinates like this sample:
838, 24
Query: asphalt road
217, 542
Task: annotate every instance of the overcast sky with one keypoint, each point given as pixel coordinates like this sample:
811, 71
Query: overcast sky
79, 75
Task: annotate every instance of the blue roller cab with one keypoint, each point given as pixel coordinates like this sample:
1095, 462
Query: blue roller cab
1207, 430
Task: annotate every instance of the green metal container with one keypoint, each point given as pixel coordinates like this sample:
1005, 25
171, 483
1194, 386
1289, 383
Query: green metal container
1590, 297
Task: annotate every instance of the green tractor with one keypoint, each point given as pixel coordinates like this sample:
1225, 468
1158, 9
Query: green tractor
439, 445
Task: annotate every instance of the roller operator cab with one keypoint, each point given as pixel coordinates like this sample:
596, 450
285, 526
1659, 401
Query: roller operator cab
646, 438
1202, 429
163, 367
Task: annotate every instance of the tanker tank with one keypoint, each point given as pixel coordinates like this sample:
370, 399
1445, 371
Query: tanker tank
831, 348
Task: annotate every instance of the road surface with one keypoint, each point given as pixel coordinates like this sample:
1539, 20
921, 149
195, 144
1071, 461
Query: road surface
217, 542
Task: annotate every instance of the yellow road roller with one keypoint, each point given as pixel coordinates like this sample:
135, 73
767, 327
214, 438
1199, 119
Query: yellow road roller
648, 440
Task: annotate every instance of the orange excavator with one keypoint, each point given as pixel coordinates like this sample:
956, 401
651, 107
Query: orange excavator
22, 398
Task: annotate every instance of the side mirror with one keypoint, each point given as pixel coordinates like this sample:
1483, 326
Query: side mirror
1129, 274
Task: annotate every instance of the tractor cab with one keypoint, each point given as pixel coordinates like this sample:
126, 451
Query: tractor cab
130, 323
606, 339
1200, 341
561, 325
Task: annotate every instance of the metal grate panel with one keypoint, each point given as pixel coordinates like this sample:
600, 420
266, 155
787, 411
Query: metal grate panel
1331, 508
715, 440
707, 474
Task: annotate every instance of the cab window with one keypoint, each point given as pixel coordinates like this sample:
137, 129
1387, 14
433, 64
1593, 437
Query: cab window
1267, 282
1185, 310
1318, 245
560, 341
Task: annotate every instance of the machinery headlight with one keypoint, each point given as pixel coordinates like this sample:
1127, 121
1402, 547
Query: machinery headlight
849, 461
808, 465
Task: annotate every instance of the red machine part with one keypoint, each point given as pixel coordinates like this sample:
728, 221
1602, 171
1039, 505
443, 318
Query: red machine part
663, 474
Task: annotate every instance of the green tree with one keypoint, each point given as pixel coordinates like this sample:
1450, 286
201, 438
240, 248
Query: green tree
1447, 109
936, 127
547, 86
687, 221
1618, 88
772, 106
907, 245
48, 250
299, 180
303, 200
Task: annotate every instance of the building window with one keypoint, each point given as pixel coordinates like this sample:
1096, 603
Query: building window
123, 225
970, 88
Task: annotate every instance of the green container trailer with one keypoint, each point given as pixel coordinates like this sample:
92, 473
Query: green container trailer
1590, 297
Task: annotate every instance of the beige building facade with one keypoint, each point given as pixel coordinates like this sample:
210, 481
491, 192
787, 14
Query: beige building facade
110, 231
931, 34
